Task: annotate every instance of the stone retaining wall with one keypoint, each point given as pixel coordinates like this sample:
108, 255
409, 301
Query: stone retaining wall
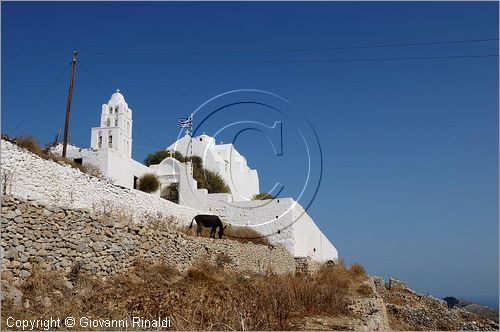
58, 238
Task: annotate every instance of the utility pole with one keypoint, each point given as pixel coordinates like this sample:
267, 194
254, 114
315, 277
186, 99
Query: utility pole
68, 105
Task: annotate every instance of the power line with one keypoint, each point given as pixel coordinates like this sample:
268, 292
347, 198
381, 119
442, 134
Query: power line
41, 98
95, 81
303, 60
443, 42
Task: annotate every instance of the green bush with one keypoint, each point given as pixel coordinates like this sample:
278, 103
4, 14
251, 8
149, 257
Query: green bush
149, 183
262, 196
158, 156
206, 179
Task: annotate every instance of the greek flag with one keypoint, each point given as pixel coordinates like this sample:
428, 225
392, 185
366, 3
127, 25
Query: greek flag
185, 122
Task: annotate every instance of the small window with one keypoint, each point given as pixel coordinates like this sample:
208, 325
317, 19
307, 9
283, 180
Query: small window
135, 181
108, 122
110, 141
78, 161
116, 109
201, 139
116, 122
99, 142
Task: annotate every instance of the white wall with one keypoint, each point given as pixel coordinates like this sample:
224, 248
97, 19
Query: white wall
50, 183
283, 220
47, 182
112, 164
225, 160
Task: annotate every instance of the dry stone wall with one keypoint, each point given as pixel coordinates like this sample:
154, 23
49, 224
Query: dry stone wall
58, 238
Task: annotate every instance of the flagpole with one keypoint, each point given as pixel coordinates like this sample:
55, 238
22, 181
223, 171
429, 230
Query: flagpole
191, 143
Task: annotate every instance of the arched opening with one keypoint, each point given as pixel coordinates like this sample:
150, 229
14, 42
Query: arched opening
171, 193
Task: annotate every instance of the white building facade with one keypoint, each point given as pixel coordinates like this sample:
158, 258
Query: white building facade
223, 159
282, 220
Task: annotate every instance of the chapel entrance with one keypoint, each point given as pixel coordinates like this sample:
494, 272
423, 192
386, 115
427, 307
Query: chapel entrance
171, 193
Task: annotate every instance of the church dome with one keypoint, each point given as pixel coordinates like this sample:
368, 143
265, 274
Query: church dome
117, 98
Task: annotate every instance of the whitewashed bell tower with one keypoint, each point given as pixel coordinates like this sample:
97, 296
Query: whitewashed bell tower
115, 132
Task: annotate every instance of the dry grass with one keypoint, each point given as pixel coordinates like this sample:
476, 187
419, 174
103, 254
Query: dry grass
358, 271
29, 143
242, 234
245, 234
205, 298
364, 290
32, 144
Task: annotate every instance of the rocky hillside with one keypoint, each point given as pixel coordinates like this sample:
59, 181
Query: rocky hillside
408, 310
74, 262
481, 310
209, 296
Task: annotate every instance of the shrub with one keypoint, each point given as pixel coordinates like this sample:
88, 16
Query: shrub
29, 143
262, 196
206, 179
364, 290
158, 156
215, 183
149, 183
357, 271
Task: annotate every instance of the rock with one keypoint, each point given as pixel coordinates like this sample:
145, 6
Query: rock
68, 284
395, 284
99, 246
27, 304
85, 292
7, 275
46, 302
58, 294
9, 214
379, 283
11, 253
24, 274
82, 247
15, 295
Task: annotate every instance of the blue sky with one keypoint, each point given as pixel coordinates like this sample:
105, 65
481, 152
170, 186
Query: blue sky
410, 147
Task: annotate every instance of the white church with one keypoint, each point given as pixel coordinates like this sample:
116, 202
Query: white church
282, 220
